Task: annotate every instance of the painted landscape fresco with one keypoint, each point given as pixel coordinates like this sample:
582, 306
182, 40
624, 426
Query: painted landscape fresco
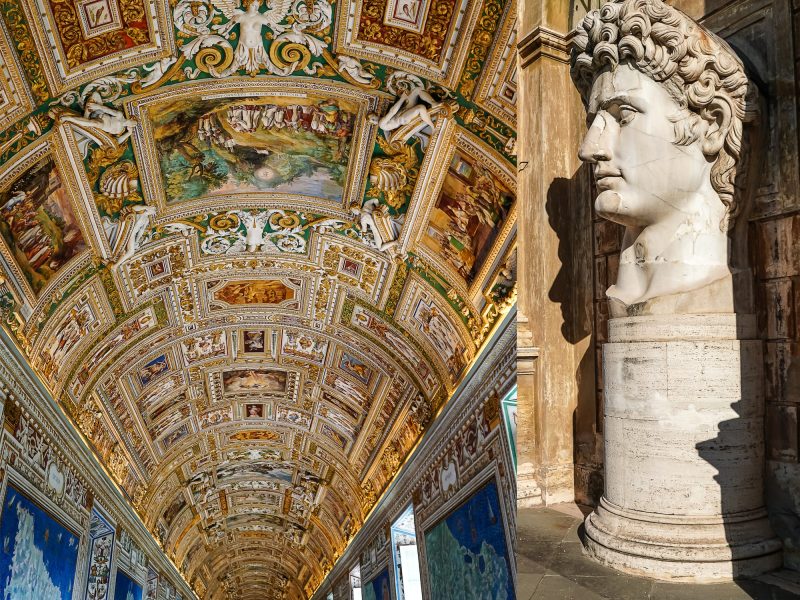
378, 588
466, 551
471, 207
39, 554
221, 146
38, 224
126, 588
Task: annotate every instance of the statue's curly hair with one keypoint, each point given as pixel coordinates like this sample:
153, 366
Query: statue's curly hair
692, 63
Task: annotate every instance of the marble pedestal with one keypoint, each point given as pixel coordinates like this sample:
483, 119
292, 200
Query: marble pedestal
684, 450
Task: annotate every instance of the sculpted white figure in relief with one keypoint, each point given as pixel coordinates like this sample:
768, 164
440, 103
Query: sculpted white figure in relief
411, 105
250, 53
666, 102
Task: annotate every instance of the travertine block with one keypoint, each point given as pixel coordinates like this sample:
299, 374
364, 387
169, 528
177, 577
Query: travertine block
684, 450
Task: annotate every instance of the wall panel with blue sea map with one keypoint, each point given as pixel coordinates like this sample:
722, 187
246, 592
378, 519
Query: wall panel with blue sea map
378, 588
126, 588
39, 555
467, 554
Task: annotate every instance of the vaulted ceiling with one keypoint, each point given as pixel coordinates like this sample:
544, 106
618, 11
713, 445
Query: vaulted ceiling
249, 290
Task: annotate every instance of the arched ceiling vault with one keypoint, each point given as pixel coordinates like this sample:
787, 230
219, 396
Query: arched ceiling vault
248, 287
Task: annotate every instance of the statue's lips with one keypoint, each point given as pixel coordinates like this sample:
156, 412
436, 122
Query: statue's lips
605, 180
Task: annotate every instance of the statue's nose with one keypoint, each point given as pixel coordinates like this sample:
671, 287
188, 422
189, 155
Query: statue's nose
594, 147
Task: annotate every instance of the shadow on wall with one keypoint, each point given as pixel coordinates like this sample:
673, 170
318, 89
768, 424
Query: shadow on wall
570, 215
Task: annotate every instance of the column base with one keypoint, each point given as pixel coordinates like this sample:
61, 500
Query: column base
692, 549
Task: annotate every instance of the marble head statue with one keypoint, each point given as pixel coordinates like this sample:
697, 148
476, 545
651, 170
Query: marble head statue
667, 102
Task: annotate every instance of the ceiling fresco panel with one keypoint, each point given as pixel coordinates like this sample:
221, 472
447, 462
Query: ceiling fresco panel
429, 38
471, 217
44, 227
213, 142
86, 39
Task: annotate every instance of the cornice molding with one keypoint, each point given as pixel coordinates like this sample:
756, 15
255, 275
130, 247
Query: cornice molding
544, 43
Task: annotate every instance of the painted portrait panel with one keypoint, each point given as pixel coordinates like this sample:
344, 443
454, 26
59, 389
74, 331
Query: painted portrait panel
472, 205
355, 367
220, 146
259, 380
378, 588
39, 555
126, 588
254, 341
253, 411
39, 225
467, 554
176, 436
260, 291
153, 370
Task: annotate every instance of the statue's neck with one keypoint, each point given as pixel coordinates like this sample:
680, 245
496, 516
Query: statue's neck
680, 254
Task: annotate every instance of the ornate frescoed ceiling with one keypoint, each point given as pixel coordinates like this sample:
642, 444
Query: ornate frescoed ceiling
252, 249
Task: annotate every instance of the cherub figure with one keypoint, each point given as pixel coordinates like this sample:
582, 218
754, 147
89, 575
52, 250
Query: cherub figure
250, 52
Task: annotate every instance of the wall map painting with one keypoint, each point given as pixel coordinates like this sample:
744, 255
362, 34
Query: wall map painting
38, 224
126, 588
222, 146
378, 588
466, 218
466, 551
39, 555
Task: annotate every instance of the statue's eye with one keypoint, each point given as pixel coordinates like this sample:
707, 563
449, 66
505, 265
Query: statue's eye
625, 114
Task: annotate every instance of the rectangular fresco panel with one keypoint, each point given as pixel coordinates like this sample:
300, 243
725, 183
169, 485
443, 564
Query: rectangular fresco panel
220, 146
39, 555
153, 370
378, 588
261, 380
355, 367
472, 206
126, 588
467, 555
263, 291
38, 224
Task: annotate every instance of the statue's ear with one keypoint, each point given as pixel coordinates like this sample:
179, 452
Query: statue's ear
719, 119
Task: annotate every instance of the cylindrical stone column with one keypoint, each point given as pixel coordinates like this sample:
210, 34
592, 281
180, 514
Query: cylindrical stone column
684, 450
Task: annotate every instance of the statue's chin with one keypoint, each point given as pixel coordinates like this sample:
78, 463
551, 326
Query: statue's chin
609, 205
